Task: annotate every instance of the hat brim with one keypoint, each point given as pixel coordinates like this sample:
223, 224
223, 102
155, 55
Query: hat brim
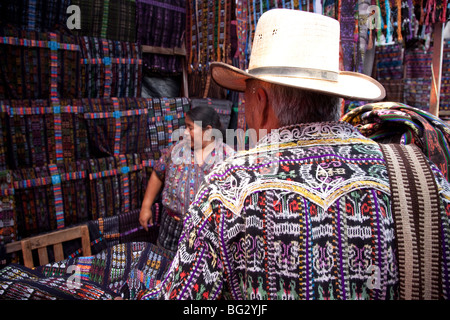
350, 85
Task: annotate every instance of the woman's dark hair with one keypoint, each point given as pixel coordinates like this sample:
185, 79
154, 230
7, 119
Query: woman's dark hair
207, 116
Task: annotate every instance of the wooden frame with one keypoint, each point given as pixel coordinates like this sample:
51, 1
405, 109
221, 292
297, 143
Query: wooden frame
436, 68
55, 239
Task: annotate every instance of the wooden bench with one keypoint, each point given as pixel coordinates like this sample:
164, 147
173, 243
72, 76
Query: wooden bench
55, 239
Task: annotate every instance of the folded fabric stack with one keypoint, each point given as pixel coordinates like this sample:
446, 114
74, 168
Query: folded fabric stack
392, 122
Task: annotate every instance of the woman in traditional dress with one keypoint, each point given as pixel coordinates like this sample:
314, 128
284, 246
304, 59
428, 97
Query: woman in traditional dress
180, 172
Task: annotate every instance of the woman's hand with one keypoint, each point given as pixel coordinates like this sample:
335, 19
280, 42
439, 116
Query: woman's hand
145, 217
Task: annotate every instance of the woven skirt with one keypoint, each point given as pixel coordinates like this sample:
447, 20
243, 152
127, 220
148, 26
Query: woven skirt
170, 230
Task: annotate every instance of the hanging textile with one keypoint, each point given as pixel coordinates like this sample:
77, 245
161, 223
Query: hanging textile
4, 145
347, 22
44, 132
38, 65
116, 125
240, 60
209, 37
110, 68
165, 116
167, 20
34, 15
389, 70
444, 102
105, 19
114, 185
418, 77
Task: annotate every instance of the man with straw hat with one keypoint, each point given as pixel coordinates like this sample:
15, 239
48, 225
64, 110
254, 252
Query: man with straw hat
307, 213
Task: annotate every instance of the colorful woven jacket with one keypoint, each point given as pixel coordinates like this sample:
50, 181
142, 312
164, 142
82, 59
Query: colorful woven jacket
304, 215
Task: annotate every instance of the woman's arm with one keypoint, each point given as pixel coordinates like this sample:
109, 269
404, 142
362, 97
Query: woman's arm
153, 188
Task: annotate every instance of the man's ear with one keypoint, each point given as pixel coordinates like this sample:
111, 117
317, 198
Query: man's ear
264, 106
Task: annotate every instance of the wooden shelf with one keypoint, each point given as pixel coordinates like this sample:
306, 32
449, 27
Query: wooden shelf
166, 51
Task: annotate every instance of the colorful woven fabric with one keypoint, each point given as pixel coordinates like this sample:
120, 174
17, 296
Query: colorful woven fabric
125, 228
167, 20
4, 145
131, 230
117, 126
34, 15
38, 65
8, 221
208, 39
308, 217
44, 132
389, 62
20, 283
51, 197
114, 185
444, 102
165, 115
348, 43
182, 176
115, 20
123, 268
418, 78
109, 228
110, 68
390, 122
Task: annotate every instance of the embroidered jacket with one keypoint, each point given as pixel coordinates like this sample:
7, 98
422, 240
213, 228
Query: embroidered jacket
304, 215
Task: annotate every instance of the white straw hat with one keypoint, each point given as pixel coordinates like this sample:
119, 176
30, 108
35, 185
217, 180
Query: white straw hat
299, 49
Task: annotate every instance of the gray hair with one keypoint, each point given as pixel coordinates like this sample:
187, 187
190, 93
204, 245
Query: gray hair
293, 105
